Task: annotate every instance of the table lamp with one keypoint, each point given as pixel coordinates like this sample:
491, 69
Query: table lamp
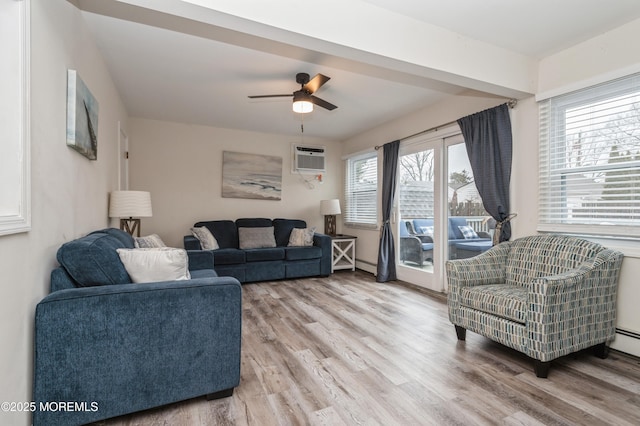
330, 208
129, 206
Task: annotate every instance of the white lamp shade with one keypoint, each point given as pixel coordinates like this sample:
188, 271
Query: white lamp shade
329, 207
130, 204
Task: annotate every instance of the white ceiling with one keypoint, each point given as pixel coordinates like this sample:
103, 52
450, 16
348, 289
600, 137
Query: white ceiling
204, 79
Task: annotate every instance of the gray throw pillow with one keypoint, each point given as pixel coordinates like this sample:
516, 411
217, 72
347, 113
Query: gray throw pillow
301, 237
206, 238
258, 237
150, 241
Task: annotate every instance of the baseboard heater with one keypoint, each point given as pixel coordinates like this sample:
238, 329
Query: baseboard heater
628, 333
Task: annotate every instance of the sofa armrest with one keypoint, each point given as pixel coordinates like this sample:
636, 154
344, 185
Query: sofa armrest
200, 259
580, 303
324, 242
191, 243
483, 269
131, 347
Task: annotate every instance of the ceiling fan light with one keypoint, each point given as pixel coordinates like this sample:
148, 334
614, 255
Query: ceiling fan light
302, 107
301, 102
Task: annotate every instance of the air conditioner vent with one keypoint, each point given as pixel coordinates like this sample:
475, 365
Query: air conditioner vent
308, 159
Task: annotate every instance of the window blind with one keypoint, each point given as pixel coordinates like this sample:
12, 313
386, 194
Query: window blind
590, 160
361, 190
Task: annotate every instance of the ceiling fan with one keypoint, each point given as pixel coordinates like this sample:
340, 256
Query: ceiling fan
303, 99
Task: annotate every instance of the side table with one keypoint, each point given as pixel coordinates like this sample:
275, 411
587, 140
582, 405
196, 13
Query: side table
343, 252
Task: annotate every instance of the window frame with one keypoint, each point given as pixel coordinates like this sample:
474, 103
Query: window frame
15, 203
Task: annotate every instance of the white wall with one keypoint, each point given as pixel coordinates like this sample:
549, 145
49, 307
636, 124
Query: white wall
181, 165
69, 192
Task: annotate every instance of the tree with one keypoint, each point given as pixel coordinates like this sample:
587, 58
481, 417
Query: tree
417, 167
458, 179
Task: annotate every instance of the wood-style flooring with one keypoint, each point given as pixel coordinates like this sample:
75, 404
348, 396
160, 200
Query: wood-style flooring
345, 350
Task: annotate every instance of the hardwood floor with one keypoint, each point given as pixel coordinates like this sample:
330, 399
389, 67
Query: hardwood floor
345, 350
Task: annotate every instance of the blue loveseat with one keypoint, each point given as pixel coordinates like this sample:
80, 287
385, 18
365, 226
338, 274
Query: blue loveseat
111, 347
264, 263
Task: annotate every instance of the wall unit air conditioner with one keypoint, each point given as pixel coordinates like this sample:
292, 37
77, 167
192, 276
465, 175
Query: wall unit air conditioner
308, 159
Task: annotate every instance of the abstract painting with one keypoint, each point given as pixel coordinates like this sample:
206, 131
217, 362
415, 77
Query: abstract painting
251, 176
82, 117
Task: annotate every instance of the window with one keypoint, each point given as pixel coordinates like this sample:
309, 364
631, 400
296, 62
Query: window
590, 160
361, 191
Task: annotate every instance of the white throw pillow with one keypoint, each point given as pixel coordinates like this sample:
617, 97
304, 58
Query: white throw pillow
150, 241
146, 265
206, 238
301, 237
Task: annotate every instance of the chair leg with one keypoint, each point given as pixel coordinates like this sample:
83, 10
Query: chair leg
601, 351
461, 332
541, 368
220, 394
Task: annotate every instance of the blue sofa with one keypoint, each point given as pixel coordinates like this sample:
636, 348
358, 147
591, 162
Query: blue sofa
111, 347
266, 263
459, 246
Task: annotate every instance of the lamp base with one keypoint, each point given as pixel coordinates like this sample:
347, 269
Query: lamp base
330, 224
130, 225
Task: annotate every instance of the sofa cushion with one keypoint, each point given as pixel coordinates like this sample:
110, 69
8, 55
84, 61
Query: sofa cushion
253, 222
531, 258
92, 260
503, 300
301, 237
256, 237
228, 256
224, 231
282, 229
478, 246
146, 265
150, 241
264, 254
303, 253
206, 238
124, 237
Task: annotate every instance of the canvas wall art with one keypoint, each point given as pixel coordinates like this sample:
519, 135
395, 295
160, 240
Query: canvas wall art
82, 117
251, 176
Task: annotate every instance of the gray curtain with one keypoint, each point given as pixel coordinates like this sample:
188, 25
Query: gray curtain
487, 136
386, 252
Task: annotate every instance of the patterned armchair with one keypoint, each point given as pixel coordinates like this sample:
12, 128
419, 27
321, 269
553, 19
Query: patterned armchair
544, 295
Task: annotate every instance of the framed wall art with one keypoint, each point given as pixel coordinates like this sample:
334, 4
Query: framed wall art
251, 176
82, 117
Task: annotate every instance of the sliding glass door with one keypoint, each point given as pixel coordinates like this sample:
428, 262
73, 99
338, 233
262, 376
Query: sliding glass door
439, 214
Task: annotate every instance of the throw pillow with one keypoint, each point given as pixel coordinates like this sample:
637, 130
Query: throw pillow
150, 241
257, 237
426, 230
206, 238
468, 232
301, 237
146, 265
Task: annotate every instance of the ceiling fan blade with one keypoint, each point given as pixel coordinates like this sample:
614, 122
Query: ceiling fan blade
322, 103
315, 83
270, 96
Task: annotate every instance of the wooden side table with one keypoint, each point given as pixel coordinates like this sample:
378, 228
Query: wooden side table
343, 252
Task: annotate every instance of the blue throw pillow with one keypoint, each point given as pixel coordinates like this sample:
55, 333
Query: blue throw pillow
468, 232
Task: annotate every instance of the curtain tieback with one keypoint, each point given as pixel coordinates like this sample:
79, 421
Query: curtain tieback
498, 231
